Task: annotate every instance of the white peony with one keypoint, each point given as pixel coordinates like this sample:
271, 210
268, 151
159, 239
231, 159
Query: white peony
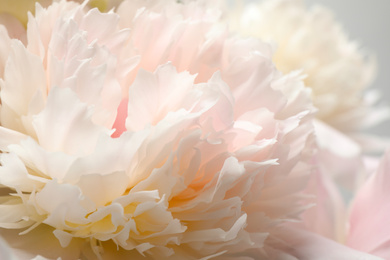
336, 69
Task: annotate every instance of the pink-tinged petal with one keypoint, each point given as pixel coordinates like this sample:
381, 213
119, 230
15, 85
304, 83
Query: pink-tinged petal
74, 61
153, 95
348, 173
40, 28
327, 215
120, 120
306, 245
219, 116
103, 27
94, 85
371, 163
370, 213
250, 79
335, 141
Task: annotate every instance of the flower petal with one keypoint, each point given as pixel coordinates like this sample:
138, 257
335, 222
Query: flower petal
65, 124
370, 212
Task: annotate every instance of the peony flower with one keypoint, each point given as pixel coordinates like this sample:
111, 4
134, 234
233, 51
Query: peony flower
150, 132
337, 71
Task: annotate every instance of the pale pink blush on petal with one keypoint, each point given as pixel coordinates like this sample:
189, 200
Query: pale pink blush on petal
120, 120
370, 213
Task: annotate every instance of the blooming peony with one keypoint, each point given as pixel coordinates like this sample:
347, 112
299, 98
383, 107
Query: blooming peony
150, 132
310, 40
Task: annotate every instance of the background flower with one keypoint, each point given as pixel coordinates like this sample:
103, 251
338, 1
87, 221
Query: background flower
337, 71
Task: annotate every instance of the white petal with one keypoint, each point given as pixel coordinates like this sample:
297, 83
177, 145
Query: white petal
43, 164
69, 206
65, 124
24, 79
8, 136
13, 174
103, 189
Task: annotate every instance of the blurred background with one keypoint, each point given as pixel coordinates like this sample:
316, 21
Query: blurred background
368, 23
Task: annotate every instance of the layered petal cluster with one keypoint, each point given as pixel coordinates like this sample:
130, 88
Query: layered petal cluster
149, 132
337, 71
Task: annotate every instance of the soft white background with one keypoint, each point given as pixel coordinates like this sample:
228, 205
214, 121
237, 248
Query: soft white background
368, 23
